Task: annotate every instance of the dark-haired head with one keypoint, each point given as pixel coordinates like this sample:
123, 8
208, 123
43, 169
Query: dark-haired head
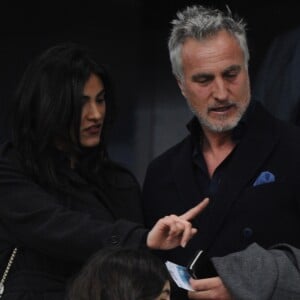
127, 274
48, 107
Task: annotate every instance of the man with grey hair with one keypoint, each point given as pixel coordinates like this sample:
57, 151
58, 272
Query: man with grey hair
237, 154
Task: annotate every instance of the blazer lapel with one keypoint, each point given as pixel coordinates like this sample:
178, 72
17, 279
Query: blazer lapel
260, 139
184, 178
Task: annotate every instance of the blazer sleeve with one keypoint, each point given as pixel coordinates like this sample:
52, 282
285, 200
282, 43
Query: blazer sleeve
257, 273
33, 218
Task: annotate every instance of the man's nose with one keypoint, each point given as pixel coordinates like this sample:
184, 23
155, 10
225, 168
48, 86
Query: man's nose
220, 90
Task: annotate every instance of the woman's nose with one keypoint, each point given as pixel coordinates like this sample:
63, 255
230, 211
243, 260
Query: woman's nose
94, 111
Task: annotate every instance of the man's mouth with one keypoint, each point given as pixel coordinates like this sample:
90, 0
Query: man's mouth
222, 109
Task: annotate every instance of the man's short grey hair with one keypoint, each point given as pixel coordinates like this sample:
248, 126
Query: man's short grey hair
199, 22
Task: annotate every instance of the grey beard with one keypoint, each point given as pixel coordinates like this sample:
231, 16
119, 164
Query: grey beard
217, 127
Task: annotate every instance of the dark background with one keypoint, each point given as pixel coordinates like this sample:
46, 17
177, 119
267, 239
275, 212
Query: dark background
130, 37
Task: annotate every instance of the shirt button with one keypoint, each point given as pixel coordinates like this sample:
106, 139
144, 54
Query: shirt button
247, 232
114, 239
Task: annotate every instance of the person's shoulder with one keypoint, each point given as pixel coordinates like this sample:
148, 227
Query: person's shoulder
119, 175
290, 131
172, 152
263, 117
287, 132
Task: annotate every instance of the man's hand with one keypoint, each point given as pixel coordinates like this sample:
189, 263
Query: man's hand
209, 288
173, 231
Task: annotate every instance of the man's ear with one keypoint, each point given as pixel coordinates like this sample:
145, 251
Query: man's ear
181, 86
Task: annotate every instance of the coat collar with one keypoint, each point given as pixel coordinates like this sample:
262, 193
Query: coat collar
259, 140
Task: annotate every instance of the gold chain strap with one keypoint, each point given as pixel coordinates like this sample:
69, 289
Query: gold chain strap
10, 262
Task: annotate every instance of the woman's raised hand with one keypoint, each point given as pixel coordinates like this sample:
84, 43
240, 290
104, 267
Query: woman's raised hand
173, 231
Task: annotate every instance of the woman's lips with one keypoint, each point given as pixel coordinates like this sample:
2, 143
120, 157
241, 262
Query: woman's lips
95, 129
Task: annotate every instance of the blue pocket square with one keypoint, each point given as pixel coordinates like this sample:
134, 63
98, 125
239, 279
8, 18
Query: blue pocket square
264, 177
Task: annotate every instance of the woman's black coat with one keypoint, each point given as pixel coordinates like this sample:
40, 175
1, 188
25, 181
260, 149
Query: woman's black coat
56, 231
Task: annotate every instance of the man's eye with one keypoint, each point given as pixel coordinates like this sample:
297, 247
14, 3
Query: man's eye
203, 80
231, 75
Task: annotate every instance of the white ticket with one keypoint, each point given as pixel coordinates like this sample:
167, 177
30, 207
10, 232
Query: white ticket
180, 275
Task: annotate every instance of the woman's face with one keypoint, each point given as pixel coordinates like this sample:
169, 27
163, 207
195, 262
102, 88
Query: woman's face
165, 293
93, 112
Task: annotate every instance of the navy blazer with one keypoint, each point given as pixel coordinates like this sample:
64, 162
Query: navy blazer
240, 213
